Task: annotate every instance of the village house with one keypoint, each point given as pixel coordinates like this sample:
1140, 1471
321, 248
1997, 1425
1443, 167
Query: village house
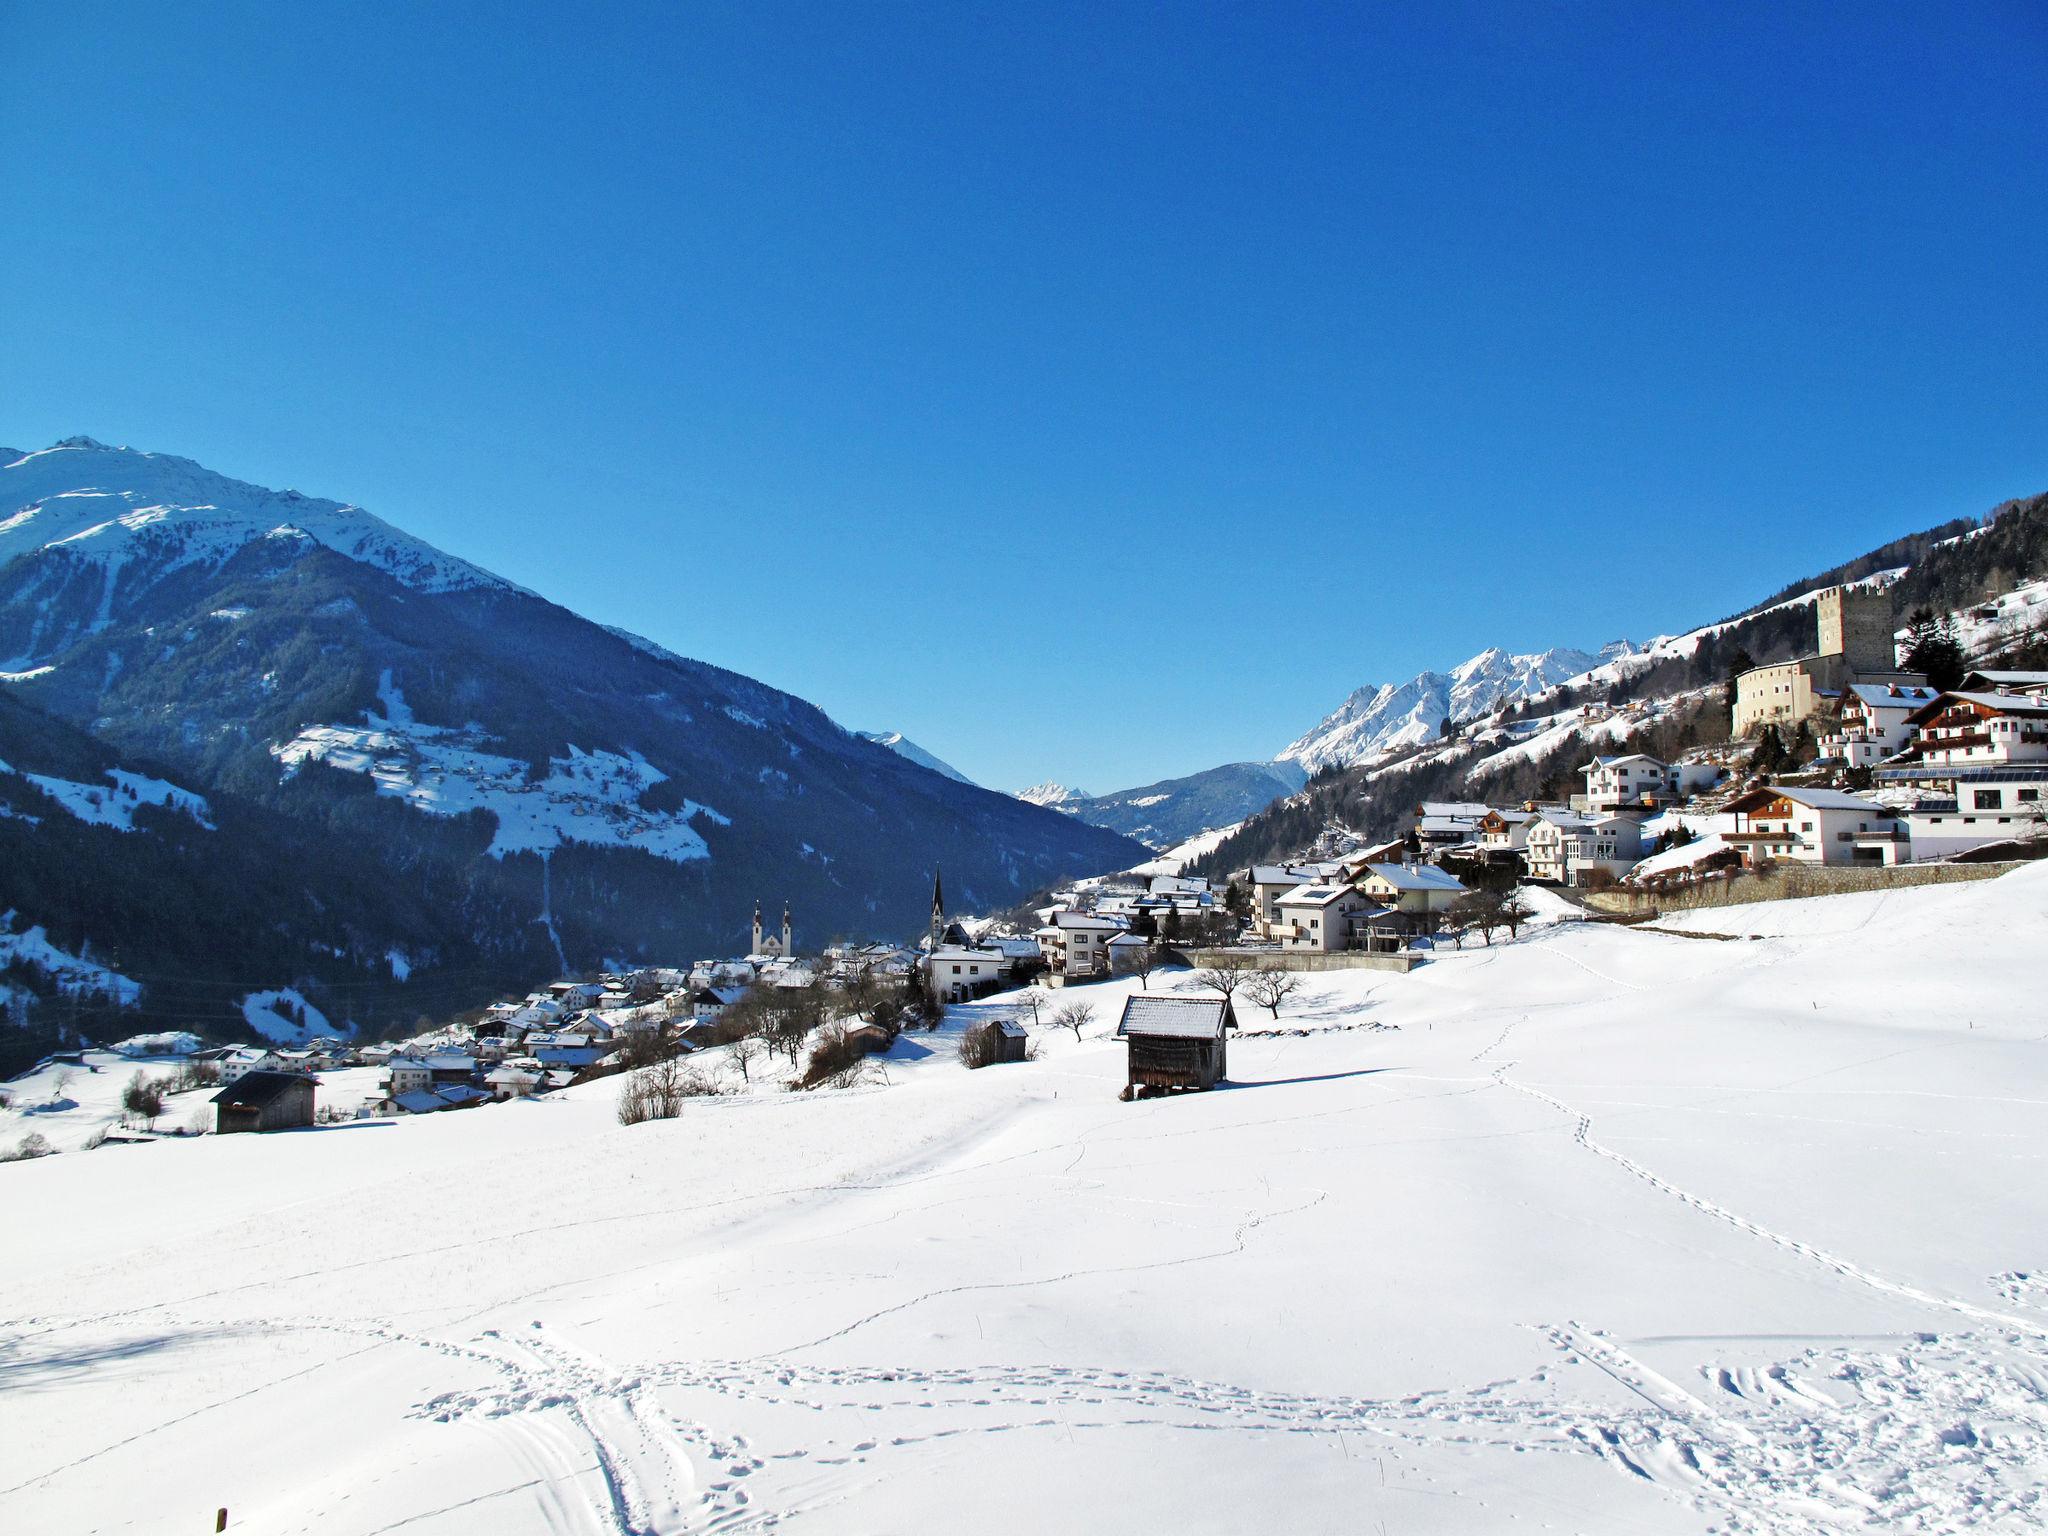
1875, 723
1504, 832
1175, 1042
241, 1060
1447, 823
2033, 684
1325, 917
1267, 883
1638, 781
1075, 945
264, 1101
957, 974
1565, 847
1973, 729
509, 1082
1419, 893
1812, 826
1979, 764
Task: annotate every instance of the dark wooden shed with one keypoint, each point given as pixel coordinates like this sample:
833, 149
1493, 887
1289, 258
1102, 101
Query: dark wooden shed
264, 1101
1176, 1042
1012, 1041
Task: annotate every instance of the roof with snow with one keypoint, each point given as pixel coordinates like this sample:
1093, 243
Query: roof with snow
1891, 695
1316, 895
1177, 1018
256, 1089
1416, 877
1812, 799
1996, 703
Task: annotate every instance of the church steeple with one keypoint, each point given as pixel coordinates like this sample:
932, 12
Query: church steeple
938, 908
757, 927
787, 948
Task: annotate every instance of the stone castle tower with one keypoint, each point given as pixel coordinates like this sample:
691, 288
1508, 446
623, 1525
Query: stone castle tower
1856, 625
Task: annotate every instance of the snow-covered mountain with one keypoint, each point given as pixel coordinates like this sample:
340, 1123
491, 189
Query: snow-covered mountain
1171, 811
1376, 720
114, 508
1051, 793
488, 784
903, 746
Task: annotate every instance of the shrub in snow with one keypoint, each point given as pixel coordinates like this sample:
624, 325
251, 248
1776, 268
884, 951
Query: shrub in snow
33, 1145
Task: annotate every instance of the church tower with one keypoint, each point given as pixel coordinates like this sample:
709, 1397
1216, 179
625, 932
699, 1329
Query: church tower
757, 928
787, 949
938, 909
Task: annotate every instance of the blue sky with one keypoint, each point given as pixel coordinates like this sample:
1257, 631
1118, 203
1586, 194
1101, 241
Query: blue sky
1098, 392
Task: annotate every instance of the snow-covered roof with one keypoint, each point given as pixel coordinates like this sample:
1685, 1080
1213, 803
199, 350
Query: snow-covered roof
1812, 799
1997, 703
1891, 695
977, 956
1087, 921
1417, 877
1316, 895
1180, 1018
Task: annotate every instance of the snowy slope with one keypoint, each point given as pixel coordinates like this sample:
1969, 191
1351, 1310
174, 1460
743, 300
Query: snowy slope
1376, 720
1599, 1231
117, 505
903, 746
591, 798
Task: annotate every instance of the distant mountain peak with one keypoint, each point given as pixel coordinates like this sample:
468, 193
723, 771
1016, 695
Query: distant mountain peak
1378, 719
909, 750
1051, 793
125, 507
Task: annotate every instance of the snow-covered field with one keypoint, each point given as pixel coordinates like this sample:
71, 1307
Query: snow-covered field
1599, 1231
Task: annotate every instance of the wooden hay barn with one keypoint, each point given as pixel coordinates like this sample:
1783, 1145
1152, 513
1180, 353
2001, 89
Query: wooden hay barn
1176, 1042
264, 1101
1012, 1042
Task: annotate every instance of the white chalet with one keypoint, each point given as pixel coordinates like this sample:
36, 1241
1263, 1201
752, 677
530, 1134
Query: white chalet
1325, 917
957, 973
1075, 945
1635, 780
1812, 826
1875, 722
1565, 847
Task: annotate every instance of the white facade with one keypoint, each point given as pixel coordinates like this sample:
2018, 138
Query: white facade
1637, 779
1075, 945
1566, 847
957, 974
1813, 826
1320, 917
1874, 723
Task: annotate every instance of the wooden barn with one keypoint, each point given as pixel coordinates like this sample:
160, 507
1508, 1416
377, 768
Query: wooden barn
1176, 1042
1012, 1042
264, 1101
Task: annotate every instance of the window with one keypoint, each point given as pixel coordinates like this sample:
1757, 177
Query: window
2029, 796
1986, 800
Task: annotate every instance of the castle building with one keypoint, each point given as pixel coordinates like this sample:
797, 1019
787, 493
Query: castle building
1855, 645
767, 943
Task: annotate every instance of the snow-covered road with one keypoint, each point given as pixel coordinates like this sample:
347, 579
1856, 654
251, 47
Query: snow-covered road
1599, 1231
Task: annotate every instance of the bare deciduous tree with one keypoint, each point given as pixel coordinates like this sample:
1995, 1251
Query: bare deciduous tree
1140, 961
1076, 1015
1226, 975
1034, 1001
1270, 986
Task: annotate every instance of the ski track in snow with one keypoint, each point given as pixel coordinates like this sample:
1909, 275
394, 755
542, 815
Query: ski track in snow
1921, 1432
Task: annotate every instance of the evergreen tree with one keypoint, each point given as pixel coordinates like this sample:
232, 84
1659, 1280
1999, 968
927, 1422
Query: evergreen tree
1934, 650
